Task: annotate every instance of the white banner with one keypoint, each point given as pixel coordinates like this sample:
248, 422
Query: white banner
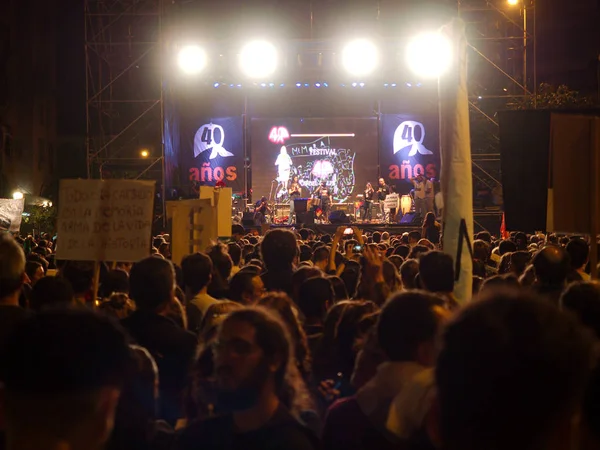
11, 213
457, 184
105, 220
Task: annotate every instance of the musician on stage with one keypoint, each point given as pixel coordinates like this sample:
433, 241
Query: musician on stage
323, 192
261, 209
367, 206
382, 192
295, 192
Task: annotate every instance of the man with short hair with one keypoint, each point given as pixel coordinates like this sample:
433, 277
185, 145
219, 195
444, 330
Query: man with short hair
152, 287
197, 274
579, 252
436, 274
408, 272
320, 258
413, 238
551, 266
253, 357
511, 375
12, 279
246, 287
235, 253
62, 375
279, 251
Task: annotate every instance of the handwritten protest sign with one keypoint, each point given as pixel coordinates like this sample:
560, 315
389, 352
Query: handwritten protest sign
10, 214
105, 220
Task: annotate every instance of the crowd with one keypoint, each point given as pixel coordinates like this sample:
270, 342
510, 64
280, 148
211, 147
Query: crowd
298, 340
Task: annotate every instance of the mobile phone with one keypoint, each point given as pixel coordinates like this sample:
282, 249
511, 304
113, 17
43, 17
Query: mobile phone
357, 249
348, 231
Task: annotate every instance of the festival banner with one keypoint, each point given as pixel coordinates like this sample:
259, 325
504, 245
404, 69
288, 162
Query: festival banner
105, 220
342, 152
11, 212
201, 150
409, 146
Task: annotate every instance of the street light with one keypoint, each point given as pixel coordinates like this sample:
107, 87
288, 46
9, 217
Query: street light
17, 195
144, 153
513, 2
429, 55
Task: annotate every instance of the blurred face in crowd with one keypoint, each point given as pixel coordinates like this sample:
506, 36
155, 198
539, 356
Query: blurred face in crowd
241, 367
381, 182
258, 290
38, 275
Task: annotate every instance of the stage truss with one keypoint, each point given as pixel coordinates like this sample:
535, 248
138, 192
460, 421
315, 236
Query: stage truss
123, 89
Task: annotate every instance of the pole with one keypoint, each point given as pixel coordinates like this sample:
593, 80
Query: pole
525, 48
535, 83
161, 50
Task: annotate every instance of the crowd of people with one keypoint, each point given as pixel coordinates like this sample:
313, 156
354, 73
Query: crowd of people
299, 340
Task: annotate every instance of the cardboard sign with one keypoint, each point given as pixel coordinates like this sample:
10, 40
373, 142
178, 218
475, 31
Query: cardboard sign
105, 220
11, 214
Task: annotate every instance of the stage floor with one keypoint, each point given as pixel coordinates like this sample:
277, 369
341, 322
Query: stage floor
393, 229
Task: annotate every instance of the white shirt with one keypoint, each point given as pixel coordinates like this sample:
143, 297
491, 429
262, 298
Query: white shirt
429, 187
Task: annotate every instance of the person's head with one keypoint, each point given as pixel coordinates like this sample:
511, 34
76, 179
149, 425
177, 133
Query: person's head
246, 287
413, 238
408, 273
369, 185
34, 270
436, 272
80, 274
391, 276
500, 281
81, 362
306, 253
320, 257
279, 249
552, 266
300, 275
339, 288
402, 250
197, 272
481, 250
222, 263
408, 325
583, 299
417, 251
115, 281
118, 306
283, 150
215, 314
519, 261
295, 179
506, 246
521, 241
237, 232
165, 250
579, 252
315, 297
253, 355
484, 236
429, 220
50, 292
511, 374
235, 252
381, 182
152, 283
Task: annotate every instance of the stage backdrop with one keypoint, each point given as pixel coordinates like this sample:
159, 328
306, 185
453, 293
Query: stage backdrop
341, 151
409, 145
201, 150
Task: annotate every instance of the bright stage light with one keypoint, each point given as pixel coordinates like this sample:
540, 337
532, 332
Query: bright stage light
429, 55
360, 57
192, 59
144, 153
17, 195
513, 2
258, 59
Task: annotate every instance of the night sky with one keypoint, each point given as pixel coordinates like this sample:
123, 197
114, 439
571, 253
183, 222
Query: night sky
568, 47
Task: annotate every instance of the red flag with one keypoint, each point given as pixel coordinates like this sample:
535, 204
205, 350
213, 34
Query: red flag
503, 232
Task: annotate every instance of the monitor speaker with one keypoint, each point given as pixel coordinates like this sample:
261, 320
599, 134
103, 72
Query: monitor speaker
248, 220
305, 218
338, 218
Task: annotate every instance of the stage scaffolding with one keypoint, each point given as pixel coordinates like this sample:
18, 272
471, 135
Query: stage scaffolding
123, 89
502, 73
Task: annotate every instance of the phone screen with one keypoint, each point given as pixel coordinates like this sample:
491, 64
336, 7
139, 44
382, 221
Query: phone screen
348, 231
357, 249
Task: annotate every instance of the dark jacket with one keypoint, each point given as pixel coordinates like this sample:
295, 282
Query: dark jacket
173, 349
278, 280
282, 432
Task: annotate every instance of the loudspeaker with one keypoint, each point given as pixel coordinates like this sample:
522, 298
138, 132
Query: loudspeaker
409, 218
305, 218
300, 205
338, 217
248, 220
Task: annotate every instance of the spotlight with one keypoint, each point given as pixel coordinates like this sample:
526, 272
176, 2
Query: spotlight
361, 84
282, 85
17, 195
258, 59
408, 85
354, 84
360, 57
192, 59
216, 85
144, 153
393, 84
325, 85
512, 2
298, 85
385, 85
429, 55
263, 84
306, 85
317, 85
